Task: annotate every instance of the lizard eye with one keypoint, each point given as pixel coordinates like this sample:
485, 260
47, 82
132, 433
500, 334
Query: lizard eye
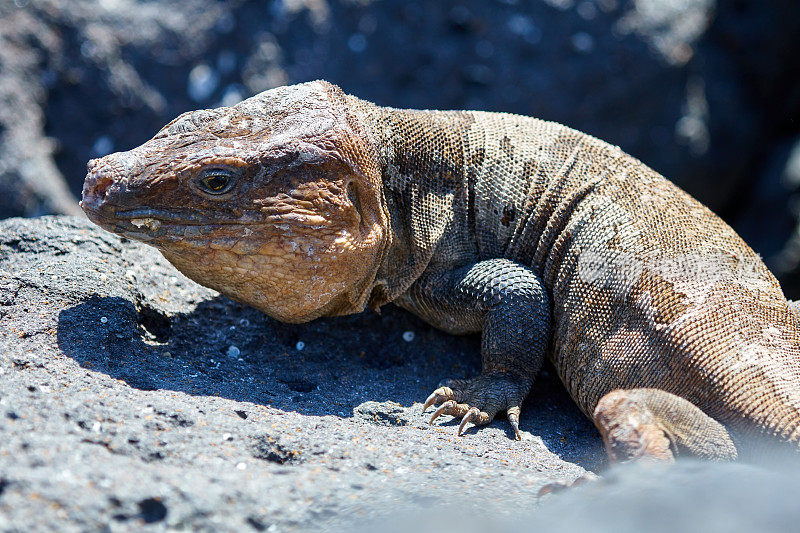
216, 181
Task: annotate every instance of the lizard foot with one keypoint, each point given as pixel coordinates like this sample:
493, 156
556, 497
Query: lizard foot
558, 486
479, 399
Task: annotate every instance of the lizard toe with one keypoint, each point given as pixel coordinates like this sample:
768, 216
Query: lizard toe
476, 416
558, 486
440, 395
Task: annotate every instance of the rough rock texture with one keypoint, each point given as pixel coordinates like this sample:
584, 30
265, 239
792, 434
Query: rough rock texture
131, 395
704, 92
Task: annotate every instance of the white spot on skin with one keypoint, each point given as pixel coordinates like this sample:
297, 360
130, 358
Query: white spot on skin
771, 334
150, 223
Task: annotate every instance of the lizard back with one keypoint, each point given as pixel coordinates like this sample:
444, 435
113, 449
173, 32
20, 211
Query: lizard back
649, 287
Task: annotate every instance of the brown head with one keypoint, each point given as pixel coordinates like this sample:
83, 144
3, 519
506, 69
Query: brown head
275, 202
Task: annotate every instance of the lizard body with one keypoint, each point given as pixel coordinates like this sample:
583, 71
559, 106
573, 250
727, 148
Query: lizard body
665, 327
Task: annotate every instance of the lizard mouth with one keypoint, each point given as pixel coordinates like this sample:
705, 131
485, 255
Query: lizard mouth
146, 217
149, 225
158, 227
145, 229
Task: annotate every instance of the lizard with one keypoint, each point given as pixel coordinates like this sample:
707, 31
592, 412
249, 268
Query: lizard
665, 327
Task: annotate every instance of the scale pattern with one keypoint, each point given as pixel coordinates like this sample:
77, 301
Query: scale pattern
650, 289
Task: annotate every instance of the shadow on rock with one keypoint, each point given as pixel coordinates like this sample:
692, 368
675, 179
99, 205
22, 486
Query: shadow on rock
327, 367
224, 349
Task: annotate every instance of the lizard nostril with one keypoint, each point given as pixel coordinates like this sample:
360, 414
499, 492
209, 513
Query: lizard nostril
101, 186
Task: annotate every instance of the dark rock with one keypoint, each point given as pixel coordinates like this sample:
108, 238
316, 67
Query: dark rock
272, 449
771, 215
30, 182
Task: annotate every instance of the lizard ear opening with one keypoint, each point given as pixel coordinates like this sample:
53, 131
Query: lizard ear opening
352, 195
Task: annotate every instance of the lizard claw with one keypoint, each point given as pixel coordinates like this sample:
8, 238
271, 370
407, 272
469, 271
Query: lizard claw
473, 413
483, 398
440, 395
513, 418
446, 406
558, 486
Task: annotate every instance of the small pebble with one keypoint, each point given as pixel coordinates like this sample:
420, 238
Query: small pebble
241, 466
167, 354
233, 351
227, 436
408, 336
300, 345
103, 319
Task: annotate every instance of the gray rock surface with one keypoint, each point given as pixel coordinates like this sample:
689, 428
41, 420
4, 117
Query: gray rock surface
130, 396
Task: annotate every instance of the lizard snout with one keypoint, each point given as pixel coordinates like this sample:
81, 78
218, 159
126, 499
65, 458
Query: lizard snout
102, 178
96, 184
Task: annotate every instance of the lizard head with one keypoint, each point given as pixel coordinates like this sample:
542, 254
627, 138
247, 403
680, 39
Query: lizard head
275, 202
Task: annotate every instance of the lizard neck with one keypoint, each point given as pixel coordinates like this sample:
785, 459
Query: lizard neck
424, 175
465, 186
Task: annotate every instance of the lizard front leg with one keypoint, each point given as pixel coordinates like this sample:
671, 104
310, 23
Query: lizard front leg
507, 302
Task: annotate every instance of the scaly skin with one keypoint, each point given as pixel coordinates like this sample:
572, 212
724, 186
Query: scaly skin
666, 329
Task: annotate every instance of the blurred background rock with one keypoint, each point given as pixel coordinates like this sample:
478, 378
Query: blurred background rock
706, 93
